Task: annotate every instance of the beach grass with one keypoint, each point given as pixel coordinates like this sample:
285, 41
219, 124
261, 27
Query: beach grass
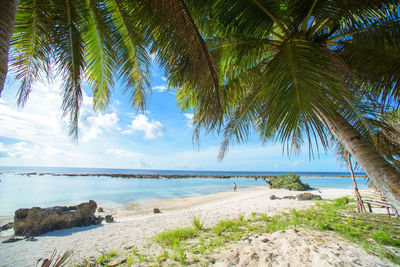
197, 222
377, 234
175, 236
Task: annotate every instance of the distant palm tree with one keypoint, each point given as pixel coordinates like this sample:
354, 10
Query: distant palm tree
303, 70
99, 41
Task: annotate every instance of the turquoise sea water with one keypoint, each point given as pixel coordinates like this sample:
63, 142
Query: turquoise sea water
22, 191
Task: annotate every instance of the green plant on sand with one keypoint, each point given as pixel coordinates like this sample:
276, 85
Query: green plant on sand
289, 181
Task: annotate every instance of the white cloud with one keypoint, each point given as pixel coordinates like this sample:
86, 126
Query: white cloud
152, 130
189, 119
189, 116
96, 123
160, 88
32, 152
122, 153
164, 78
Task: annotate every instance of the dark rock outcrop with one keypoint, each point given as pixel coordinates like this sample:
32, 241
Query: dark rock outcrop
7, 226
307, 196
289, 197
156, 210
37, 221
272, 197
109, 219
12, 240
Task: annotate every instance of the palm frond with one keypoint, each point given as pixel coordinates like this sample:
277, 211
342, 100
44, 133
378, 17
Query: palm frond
69, 48
30, 45
131, 47
181, 49
98, 36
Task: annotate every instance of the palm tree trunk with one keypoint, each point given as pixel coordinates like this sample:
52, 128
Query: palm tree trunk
8, 11
384, 176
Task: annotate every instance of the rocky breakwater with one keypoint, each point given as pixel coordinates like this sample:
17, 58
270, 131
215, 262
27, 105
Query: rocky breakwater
36, 221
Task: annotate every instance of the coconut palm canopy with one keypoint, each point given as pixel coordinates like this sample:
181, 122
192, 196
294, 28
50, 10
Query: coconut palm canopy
283, 64
294, 70
303, 70
99, 41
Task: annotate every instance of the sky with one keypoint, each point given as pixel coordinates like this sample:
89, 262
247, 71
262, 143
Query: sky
119, 137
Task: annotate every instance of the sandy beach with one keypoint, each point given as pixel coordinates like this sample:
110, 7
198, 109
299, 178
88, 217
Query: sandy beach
136, 223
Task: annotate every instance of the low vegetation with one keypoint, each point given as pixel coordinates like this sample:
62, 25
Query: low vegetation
377, 234
289, 181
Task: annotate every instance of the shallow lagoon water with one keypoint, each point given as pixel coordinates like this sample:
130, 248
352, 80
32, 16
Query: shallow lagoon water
21, 191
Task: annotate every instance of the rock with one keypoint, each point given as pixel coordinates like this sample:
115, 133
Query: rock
37, 221
12, 239
289, 197
30, 238
264, 239
307, 196
7, 226
273, 197
97, 220
156, 210
109, 219
100, 209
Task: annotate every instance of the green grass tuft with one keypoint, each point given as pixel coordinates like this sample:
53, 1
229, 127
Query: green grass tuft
197, 222
175, 236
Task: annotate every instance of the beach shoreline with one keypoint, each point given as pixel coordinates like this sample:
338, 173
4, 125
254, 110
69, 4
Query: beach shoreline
135, 224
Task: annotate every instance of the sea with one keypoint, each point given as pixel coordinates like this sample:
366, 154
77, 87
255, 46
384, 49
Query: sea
26, 187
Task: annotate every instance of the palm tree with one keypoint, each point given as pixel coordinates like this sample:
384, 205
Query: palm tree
303, 70
294, 70
94, 40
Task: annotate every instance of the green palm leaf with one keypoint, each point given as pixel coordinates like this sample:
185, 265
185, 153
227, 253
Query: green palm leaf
98, 36
31, 45
68, 45
131, 48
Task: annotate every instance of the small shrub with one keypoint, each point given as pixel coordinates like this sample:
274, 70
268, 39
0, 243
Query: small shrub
289, 181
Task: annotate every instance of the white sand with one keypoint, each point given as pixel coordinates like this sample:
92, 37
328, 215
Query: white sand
135, 224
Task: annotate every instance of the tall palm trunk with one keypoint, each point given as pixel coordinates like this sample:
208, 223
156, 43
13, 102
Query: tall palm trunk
384, 176
8, 11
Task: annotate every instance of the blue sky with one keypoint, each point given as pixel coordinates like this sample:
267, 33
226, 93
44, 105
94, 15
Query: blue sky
160, 138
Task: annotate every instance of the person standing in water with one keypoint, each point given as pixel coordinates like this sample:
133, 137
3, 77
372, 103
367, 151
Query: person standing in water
234, 187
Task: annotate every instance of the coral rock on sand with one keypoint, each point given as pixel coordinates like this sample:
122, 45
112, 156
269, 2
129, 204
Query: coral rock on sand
7, 226
289, 197
272, 197
109, 219
156, 210
307, 196
37, 221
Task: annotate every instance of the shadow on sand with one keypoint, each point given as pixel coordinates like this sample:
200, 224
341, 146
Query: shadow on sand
70, 231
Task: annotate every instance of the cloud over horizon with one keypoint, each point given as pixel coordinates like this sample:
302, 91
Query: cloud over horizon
151, 129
